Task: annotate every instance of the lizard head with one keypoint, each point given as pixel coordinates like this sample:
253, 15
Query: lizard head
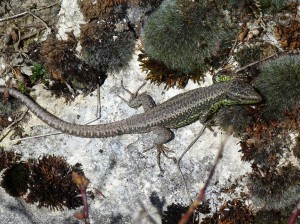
243, 93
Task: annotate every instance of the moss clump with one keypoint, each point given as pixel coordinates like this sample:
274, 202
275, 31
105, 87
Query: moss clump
100, 8
9, 109
240, 117
7, 158
107, 45
273, 216
276, 188
60, 60
15, 179
232, 211
182, 35
8, 105
248, 55
51, 184
174, 213
158, 73
108, 39
279, 84
272, 6
266, 6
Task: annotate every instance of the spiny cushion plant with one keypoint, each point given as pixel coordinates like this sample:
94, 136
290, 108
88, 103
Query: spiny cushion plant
279, 84
182, 34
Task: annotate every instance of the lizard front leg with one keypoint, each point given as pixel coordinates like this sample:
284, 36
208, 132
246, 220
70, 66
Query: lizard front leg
137, 100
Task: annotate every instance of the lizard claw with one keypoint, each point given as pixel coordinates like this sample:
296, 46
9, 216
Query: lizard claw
161, 149
133, 95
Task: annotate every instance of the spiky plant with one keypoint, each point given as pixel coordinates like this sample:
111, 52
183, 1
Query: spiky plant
279, 84
182, 34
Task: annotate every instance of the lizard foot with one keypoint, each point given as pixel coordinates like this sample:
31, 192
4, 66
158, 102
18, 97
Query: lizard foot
161, 149
133, 95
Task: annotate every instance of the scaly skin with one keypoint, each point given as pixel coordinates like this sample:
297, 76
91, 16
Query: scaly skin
179, 111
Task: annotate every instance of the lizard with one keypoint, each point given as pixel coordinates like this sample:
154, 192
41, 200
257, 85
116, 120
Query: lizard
179, 111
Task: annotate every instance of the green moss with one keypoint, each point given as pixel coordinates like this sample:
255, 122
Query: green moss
38, 73
23, 88
182, 35
279, 84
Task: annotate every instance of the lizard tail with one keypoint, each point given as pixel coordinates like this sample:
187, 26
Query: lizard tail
89, 131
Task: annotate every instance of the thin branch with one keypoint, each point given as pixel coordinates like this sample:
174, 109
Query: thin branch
253, 63
13, 17
29, 35
8, 128
180, 158
35, 16
98, 110
232, 49
295, 214
145, 214
201, 194
46, 7
24, 14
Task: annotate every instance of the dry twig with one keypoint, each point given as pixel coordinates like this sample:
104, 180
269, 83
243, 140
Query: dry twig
180, 158
201, 194
295, 214
254, 63
24, 14
8, 129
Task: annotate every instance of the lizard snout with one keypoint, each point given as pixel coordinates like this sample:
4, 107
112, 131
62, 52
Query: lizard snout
244, 93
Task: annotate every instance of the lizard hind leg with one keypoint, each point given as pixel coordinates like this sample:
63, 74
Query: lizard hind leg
163, 135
